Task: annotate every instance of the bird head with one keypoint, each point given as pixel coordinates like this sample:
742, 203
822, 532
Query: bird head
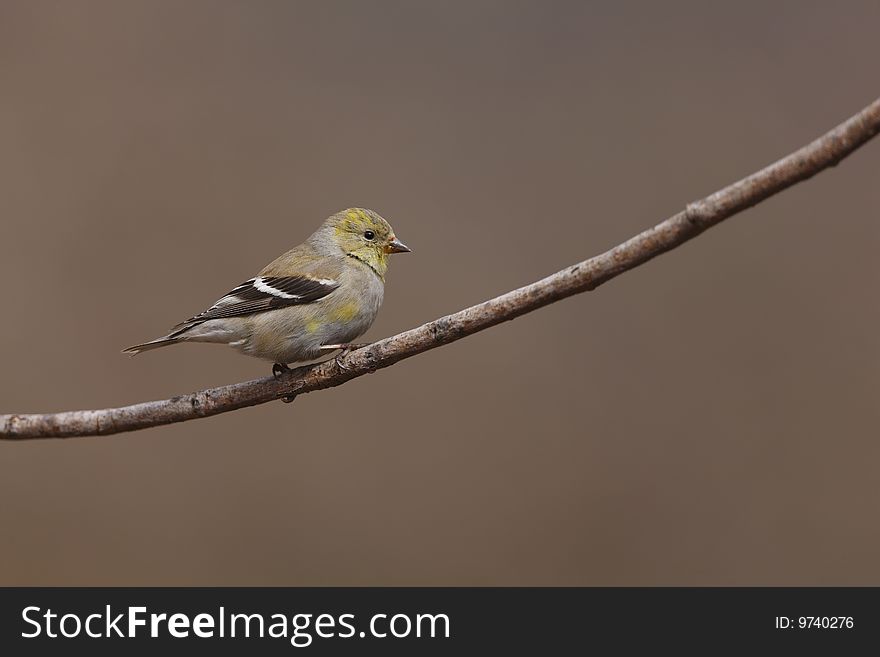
364, 235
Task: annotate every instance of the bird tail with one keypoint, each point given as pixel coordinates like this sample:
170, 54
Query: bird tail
164, 341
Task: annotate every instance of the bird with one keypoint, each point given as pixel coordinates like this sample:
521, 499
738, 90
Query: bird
314, 299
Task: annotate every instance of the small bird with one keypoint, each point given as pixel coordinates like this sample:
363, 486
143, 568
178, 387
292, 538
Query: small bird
315, 299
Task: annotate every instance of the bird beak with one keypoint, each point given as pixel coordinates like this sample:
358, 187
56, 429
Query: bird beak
396, 246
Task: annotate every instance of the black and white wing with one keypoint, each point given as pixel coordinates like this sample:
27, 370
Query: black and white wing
264, 293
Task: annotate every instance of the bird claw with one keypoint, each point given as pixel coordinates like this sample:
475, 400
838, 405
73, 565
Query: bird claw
288, 398
346, 350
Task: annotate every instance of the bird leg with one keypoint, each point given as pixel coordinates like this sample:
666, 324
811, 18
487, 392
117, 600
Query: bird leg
347, 347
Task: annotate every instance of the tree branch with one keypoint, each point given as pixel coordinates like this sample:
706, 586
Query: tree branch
824, 152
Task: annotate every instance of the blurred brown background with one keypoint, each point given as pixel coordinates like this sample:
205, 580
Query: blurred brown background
710, 418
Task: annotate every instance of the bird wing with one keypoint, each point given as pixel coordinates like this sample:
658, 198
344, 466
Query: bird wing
264, 293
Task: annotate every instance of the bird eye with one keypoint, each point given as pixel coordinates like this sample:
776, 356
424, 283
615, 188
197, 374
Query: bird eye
368, 234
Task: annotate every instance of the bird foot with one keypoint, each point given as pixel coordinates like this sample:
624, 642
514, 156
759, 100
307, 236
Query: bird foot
278, 370
346, 349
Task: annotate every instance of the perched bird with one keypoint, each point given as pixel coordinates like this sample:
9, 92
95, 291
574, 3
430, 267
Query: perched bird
313, 300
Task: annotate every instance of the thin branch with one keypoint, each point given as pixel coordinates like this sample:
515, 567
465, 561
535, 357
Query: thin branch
804, 163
